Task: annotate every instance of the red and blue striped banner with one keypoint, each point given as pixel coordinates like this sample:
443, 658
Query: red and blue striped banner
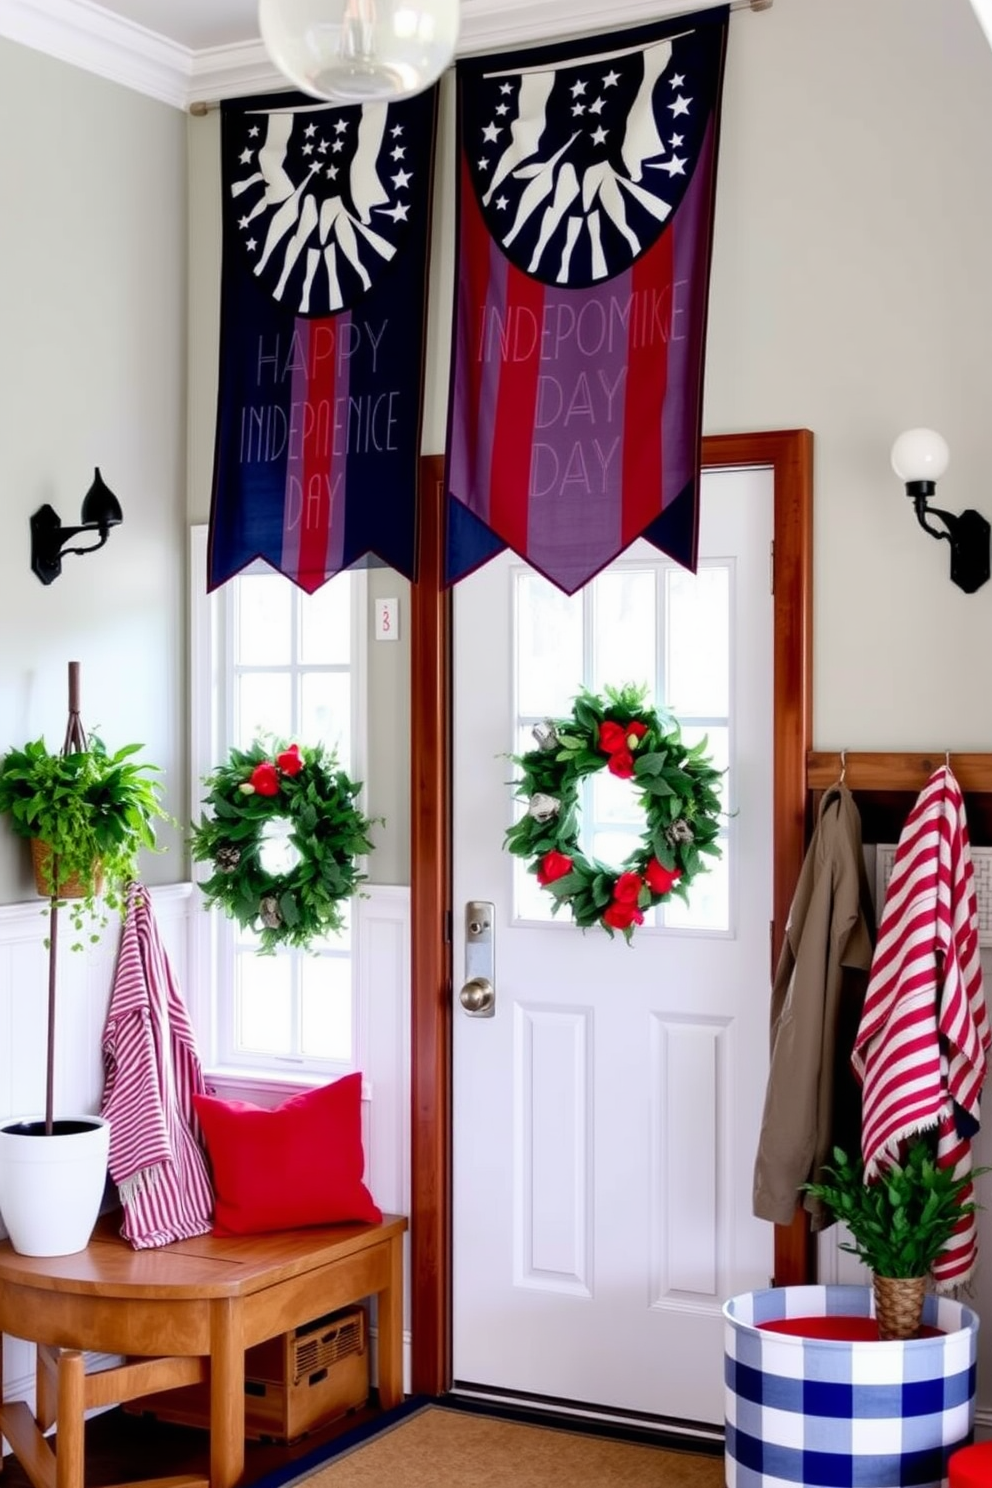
323, 294
586, 186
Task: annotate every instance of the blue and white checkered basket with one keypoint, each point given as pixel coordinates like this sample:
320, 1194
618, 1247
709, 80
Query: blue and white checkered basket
831, 1414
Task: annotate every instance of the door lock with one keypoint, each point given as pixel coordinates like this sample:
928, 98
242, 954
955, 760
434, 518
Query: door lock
478, 995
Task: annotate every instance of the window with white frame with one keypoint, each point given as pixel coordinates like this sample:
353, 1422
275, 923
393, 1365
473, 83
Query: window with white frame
270, 660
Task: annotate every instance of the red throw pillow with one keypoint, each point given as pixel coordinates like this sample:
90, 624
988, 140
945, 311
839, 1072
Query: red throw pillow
300, 1163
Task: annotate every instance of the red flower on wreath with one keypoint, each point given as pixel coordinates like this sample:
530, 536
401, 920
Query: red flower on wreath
622, 916
621, 764
661, 880
290, 761
552, 866
612, 736
265, 779
618, 741
627, 888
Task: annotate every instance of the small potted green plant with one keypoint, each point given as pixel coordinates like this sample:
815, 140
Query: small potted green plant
87, 812
899, 1224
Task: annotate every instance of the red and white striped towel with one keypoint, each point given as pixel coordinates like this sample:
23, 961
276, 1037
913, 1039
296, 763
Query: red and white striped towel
921, 1048
152, 1071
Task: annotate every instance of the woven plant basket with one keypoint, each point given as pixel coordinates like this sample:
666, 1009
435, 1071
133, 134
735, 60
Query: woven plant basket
899, 1305
69, 888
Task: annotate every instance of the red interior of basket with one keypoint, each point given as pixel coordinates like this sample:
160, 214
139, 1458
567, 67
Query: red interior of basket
841, 1329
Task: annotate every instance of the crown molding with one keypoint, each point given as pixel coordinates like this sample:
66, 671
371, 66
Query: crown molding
233, 71
88, 36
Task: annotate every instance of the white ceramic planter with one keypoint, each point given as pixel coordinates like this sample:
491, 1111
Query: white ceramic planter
826, 1411
51, 1187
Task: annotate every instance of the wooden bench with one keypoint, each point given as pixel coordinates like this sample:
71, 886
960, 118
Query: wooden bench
182, 1314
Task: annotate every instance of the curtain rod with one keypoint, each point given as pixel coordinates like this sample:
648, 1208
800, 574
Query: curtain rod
201, 107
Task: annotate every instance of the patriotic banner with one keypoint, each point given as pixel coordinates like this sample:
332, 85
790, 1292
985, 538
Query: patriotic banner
586, 183
325, 233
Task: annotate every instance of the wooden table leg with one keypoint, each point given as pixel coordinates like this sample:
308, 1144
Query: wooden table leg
70, 1420
45, 1391
227, 1393
390, 1317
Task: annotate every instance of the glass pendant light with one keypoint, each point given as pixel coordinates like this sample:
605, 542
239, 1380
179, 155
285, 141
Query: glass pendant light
356, 51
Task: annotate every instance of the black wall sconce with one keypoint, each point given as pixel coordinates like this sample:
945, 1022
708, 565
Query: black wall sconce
919, 459
101, 510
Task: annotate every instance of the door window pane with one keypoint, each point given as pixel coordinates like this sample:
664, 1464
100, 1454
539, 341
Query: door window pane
697, 625
625, 628
709, 898
549, 647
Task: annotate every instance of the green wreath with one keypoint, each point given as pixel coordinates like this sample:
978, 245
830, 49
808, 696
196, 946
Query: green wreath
293, 806
678, 793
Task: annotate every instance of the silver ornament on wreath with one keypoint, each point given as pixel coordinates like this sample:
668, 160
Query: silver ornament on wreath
543, 808
679, 831
268, 912
546, 735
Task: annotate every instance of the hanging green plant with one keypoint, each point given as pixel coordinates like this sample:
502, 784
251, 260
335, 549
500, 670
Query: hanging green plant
283, 835
88, 813
677, 787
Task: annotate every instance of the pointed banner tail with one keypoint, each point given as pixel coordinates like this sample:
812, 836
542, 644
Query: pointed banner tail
586, 183
326, 214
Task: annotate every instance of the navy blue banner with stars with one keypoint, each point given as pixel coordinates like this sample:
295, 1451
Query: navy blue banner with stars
586, 190
326, 214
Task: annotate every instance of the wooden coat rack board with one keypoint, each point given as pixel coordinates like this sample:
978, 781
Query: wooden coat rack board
881, 783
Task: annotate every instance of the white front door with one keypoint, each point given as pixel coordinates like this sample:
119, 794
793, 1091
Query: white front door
605, 1120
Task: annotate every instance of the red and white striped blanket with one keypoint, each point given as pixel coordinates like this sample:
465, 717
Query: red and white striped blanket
921, 1048
152, 1070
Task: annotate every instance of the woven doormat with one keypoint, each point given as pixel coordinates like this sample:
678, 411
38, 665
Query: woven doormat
433, 1446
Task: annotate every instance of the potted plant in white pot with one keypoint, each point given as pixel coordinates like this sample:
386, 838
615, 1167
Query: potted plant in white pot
899, 1224
87, 812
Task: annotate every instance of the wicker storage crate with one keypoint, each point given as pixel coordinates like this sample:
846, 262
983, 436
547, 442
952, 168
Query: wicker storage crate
294, 1383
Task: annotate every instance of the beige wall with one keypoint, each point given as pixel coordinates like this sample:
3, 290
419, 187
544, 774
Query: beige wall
851, 294
92, 372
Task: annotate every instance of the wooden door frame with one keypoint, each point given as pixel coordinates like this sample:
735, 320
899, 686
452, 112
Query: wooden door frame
789, 453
